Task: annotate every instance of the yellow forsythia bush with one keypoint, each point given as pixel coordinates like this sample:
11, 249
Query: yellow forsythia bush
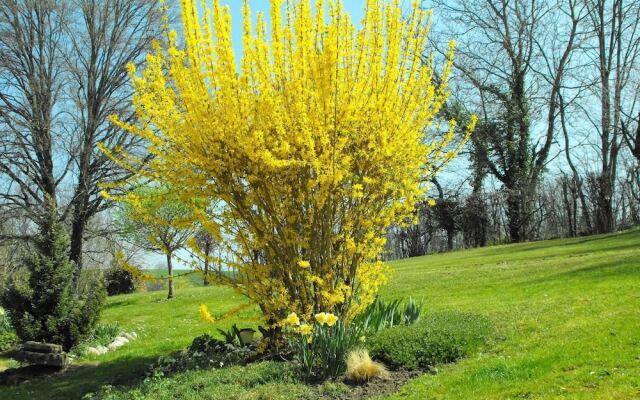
311, 144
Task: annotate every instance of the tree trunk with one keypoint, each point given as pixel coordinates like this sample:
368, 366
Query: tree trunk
604, 209
205, 280
450, 235
515, 215
207, 250
78, 225
170, 270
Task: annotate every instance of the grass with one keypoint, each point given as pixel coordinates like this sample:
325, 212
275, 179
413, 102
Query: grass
566, 313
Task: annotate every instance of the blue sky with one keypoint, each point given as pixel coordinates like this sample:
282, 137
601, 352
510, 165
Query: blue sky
354, 7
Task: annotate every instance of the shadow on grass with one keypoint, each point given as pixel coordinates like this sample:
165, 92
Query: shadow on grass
620, 268
118, 303
604, 242
81, 379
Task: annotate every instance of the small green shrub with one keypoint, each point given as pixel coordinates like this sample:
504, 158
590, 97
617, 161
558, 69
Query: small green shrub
42, 303
105, 333
438, 338
5, 322
234, 335
204, 352
259, 381
119, 281
8, 340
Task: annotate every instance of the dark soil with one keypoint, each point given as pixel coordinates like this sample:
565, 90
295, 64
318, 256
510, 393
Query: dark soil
373, 388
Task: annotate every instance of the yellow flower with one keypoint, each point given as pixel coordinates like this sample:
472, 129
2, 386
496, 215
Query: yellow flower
304, 264
431, 202
321, 318
363, 339
305, 329
326, 318
205, 315
292, 319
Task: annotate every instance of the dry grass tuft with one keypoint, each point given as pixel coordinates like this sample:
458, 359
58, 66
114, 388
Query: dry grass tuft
361, 368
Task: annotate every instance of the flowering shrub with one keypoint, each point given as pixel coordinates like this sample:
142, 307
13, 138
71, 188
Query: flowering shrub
321, 347
311, 145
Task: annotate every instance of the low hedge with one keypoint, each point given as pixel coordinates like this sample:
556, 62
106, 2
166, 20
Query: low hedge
438, 338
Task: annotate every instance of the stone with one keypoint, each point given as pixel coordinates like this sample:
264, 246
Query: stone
38, 347
92, 351
52, 359
102, 349
128, 336
135, 335
117, 342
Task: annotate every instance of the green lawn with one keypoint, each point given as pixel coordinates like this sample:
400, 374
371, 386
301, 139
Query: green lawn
567, 317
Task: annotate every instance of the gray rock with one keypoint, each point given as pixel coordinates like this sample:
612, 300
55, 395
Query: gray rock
38, 347
92, 351
102, 349
52, 359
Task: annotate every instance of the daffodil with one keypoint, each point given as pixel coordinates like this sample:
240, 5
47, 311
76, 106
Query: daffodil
304, 264
321, 318
326, 318
305, 329
292, 319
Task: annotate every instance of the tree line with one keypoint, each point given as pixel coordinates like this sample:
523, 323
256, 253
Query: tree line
555, 153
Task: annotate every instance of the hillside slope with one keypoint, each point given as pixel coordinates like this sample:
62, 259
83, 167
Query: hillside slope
567, 314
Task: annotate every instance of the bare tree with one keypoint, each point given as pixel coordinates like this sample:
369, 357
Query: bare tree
615, 25
63, 72
632, 137
32, 41
109, 35
515, 53
207, 245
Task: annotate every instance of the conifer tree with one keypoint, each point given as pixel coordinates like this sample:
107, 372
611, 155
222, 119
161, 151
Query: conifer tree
42, 303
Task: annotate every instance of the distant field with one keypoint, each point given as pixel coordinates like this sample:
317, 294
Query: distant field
567, 314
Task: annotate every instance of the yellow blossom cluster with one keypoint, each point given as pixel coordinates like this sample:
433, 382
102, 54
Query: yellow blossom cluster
322, 318
292, 319
205, 314
326, 318
313, 142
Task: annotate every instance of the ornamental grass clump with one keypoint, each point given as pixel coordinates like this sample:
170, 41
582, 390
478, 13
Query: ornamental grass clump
302, 151
361, 368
